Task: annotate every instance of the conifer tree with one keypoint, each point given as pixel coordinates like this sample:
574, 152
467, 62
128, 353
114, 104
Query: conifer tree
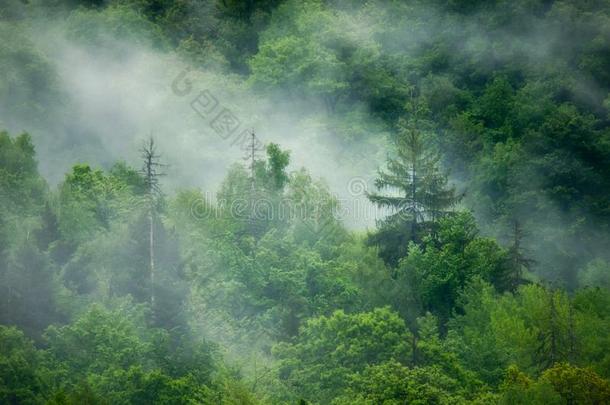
419, 193
518, 262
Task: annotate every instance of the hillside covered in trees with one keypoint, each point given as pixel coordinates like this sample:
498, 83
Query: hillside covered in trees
304, 202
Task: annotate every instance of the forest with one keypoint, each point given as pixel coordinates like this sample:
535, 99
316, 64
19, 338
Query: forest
324, 202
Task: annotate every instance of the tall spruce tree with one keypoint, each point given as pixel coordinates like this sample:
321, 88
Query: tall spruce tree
518, 262
419, 193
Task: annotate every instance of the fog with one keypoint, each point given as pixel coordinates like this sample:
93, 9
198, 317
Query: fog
114, 93
117, 93
483, 124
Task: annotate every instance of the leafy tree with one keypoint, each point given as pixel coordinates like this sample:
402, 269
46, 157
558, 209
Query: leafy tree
577, 385
518, 388
533, 329
90, 200
29, 88
592, 323
27, 285
253, 201
293, 62
444, 265
28, 290
562, 383
21, 378
115, 22
99, 340
313, 210
473, 336
275, 170
391, 382
21, 188
329, 349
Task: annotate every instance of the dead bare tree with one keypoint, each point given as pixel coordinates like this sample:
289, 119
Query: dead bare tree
151, 171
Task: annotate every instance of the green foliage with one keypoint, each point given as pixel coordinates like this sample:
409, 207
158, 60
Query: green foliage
329, 349
27, 286
423, 193
29, 83
560, 384
446, 263
90, 200
596, 274
278, 160
111, 356
21, 188
431, 307
20, 373
577, 385
291, 62
313, 209
393, 383
98, 341
99, 28
518, 388
592, 322
533, 329
104, 247
28, 289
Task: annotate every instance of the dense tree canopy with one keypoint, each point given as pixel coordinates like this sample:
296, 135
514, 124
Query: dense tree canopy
485, 280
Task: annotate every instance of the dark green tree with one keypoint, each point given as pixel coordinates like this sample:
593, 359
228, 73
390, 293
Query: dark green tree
518, 263
419, 190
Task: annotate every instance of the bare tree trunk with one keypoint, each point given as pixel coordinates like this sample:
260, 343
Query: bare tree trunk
151, 233
151, 176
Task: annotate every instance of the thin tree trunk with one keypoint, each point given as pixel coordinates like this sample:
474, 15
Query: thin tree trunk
151, 164
151, 232
413, 200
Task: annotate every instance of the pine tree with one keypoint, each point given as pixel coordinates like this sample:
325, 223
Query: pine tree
556, 342
517, 260
419, 190
252, 157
